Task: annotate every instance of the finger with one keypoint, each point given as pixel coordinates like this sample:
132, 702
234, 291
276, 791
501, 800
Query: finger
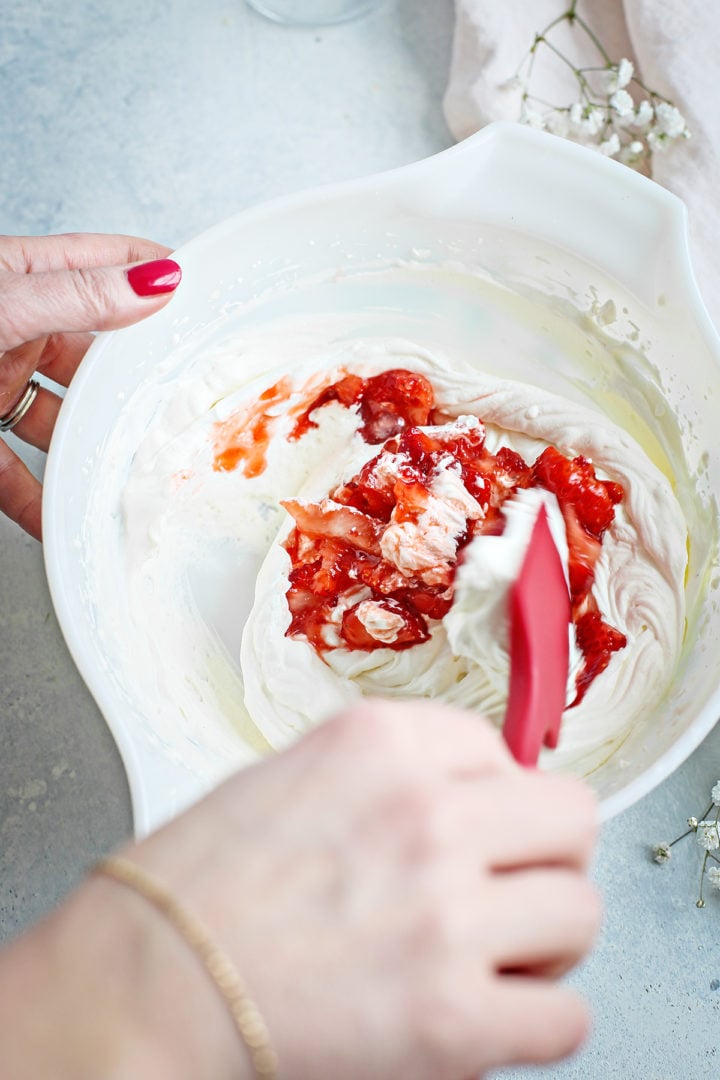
20, 492
61, 355
16, 367
413, 738
94, 298
532, 819
545, 920
533, 1023
69, 251
57, 356
36, 427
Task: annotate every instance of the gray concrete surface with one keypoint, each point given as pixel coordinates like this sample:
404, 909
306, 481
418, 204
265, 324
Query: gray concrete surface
160, 119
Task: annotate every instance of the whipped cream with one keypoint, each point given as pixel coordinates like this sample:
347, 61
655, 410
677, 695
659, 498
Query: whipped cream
207, 569
639, 584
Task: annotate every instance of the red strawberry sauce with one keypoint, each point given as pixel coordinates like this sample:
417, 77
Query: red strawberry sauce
339, 566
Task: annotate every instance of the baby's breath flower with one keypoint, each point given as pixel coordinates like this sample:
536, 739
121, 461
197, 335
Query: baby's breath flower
713, 876
715, 794
622, 103
625, 72
662, 853
708, 835
532, 118
593, 122
617, 76
610, 147
644, 115
575, 115
606, 116
585, 120
669, 120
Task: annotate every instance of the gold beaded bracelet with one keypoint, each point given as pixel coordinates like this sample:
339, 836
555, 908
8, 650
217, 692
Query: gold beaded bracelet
245, 1014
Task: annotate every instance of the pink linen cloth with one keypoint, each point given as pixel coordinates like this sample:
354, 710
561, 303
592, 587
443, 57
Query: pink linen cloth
672, 43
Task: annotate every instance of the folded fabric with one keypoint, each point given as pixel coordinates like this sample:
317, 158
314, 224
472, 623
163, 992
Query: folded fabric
672, 45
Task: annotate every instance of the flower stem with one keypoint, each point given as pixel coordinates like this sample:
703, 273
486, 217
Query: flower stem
680, 837
700, 902
593, 37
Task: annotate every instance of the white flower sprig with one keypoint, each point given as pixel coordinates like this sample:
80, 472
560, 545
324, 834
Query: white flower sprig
615, 113
707, 835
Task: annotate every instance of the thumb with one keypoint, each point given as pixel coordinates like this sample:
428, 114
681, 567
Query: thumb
88, 298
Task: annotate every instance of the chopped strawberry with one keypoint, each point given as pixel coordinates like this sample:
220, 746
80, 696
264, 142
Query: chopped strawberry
371, 491
421, 449
380, 576
393, 401
597, 641
503, 472
411, 498
311, 623
434, 601
466, 445
413, 631
583, 554
346, 391
328, 518
478, 484
515, 472
335, 571
575, 484
336, 545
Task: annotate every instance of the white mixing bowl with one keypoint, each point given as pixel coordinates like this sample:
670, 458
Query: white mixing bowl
513, 228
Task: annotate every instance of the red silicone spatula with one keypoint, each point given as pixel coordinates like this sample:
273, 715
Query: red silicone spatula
539, 648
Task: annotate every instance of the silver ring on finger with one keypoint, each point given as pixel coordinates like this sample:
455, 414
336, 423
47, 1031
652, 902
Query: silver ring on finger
20, 408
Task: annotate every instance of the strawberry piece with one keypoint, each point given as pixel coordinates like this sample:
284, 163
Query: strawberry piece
334, 572
515, 472
346, 391
371, 491
575, 484
583, 554
380, 576
413, 631
597, 641
411, 498
421, 449
311, 623
503, 472
393, 401
467, 446
331, 519
477, 483
434, 601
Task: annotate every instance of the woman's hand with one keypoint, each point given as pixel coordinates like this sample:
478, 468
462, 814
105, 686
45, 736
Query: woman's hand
398, 895
55, 290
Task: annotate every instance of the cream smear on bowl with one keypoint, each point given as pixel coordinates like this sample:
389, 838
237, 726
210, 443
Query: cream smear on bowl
197, 641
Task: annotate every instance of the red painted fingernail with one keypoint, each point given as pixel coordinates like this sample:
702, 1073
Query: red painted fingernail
152, 278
